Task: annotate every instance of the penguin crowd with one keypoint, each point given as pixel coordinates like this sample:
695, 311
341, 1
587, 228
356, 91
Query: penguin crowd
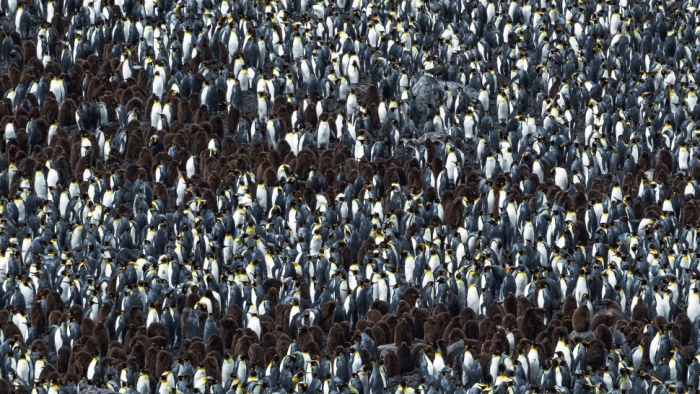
349, 196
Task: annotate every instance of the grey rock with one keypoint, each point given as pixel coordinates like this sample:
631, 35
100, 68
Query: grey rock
429, 89
613, 312
97, 391
583, 335
455, 349
390, 347
433, 137
384, 349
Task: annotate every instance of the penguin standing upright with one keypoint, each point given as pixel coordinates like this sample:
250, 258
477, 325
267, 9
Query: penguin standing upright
22, 20
693, 310
263, 107
40, 185
187, 45
323, 134
353, 73
158, 85
424, 173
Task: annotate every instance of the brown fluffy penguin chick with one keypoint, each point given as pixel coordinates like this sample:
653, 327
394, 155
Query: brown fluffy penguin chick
523, 306
403, 334
602, 332
471, 329
581, 318
116, 351
215, 344
87, 325
373, 316
164, 360
392, 364
531, 324
312, 349
184, 112
404, 353
317, 333
569, 306
304, 336
268, 340
39, 346
63, 359
603, 319
362, 325
282, 347
596, 353
211, 366
66, 112
336, 337
386, 327
640, 312
38, 318
80, 362
199, 348
684, 324
377, 333
156, 329
371, 96
420, 315
256, 354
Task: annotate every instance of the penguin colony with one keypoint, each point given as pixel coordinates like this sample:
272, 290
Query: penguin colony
156, 236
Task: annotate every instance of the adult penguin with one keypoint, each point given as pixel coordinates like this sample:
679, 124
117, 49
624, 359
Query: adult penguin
17, 59
6, 49
22, 22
